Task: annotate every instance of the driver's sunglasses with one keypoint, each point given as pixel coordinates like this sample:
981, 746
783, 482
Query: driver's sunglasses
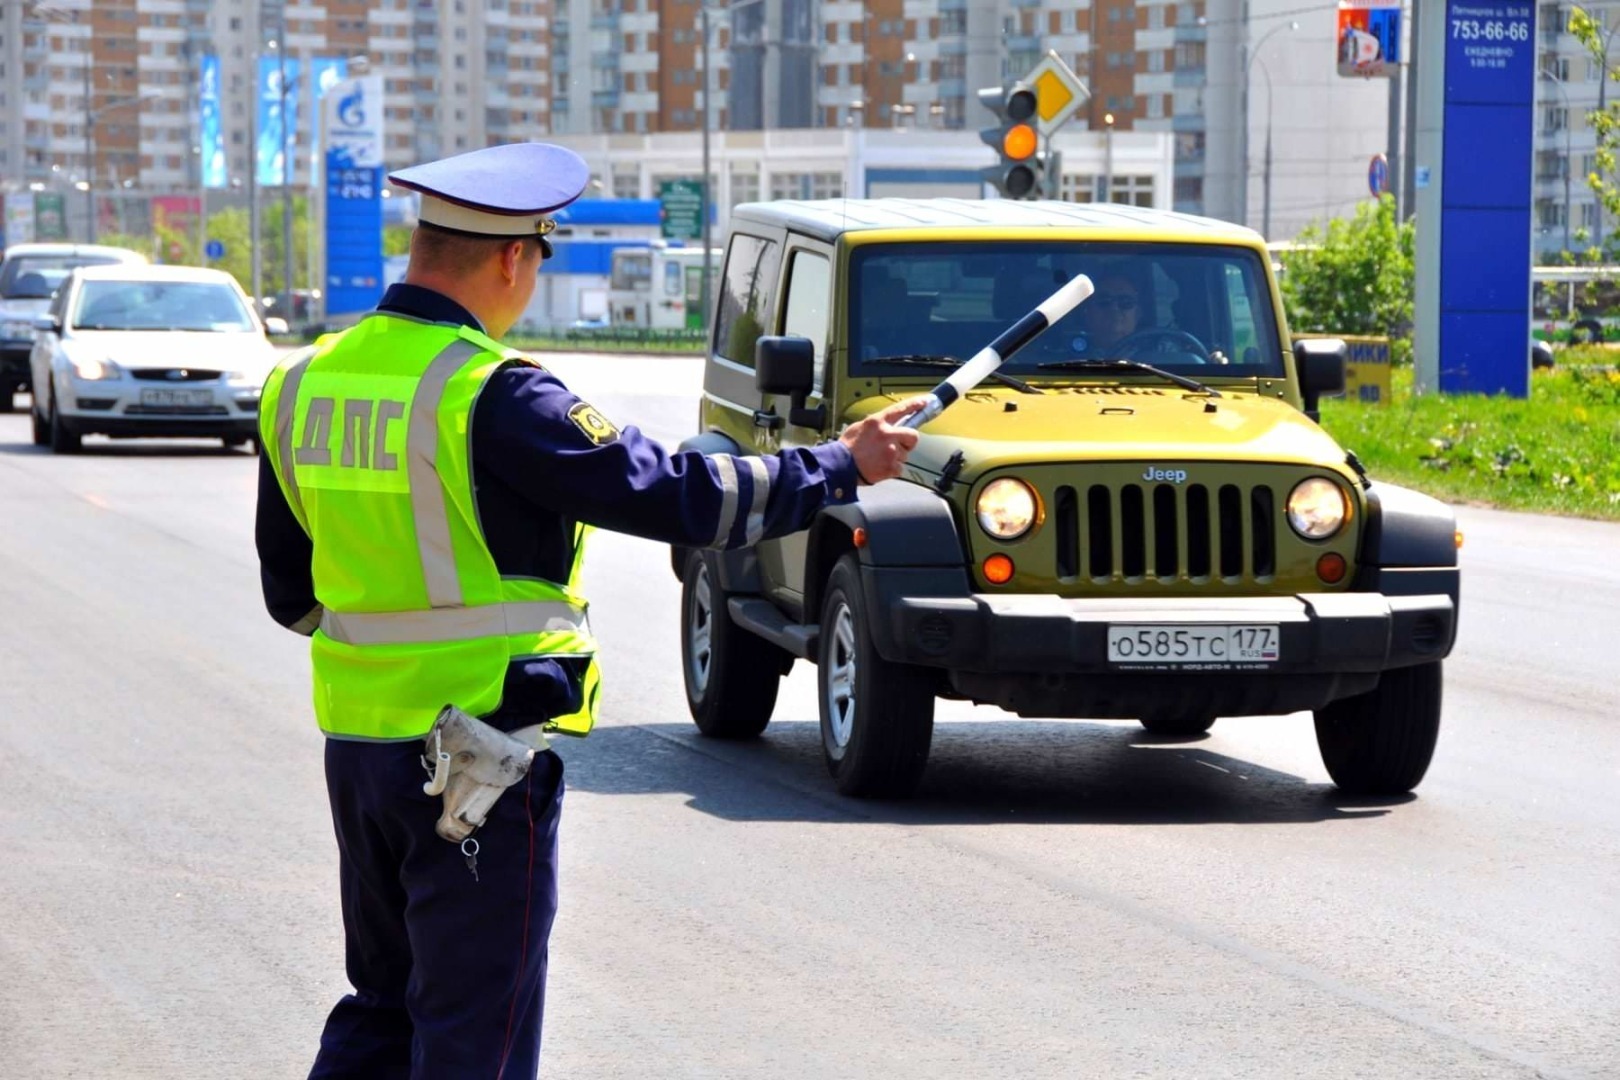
1117, 301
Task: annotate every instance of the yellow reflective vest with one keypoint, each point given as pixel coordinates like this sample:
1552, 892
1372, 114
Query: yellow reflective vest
368, 432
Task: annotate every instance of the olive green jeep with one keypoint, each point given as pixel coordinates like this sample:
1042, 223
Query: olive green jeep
1136, 517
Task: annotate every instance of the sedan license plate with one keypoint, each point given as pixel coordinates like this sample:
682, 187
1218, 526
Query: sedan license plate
1193, 646
174, 398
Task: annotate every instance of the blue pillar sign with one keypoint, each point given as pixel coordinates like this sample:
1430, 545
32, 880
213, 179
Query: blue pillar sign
352, 128
1485, 198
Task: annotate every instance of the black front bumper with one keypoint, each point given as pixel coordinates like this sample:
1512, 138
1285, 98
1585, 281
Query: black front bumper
1048, 655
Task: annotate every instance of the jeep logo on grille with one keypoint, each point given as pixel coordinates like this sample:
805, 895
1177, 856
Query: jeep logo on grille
1173, 476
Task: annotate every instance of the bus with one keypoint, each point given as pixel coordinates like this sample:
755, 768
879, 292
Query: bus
660, 287
1575, 303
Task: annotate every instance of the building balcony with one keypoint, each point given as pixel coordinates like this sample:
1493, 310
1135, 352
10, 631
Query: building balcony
1188, 122
1023, 43
605, 99
1190, 76
1191, 31
1190, 167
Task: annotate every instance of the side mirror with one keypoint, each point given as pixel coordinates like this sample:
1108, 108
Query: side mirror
47, 324
787, 365
275, 324
1320, 363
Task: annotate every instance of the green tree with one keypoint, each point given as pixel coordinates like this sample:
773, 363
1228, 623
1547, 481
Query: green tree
396, 240
1355, 276
1605, 123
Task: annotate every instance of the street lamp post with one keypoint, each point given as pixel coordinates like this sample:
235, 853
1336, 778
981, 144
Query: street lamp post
286, 169
704, 11
1568, 163
1249, 56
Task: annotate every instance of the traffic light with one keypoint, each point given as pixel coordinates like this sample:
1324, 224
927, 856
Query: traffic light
1020, 172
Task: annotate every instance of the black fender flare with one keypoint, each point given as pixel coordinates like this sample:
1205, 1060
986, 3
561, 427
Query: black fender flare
1406, 528
908, 528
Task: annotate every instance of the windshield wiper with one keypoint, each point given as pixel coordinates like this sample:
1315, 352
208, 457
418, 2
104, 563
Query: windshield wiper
922, 360
1130, 365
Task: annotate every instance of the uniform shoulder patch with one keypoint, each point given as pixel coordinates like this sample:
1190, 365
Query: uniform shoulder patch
596, 427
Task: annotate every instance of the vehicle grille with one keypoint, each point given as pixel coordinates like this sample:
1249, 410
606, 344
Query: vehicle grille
176, 374
176, 410
1135, 532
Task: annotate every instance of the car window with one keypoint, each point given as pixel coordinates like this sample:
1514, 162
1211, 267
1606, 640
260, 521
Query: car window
747, 297
1182, 306
805, 308
37, 276
160, 305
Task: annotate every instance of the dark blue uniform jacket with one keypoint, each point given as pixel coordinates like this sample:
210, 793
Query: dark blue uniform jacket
537, 471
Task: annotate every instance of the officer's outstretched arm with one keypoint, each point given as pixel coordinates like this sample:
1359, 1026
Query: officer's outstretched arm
564, 455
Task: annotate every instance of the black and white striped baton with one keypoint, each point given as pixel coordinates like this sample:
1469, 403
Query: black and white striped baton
1015, 337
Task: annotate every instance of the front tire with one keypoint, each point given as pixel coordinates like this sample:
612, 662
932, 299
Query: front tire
62, 441
1381, 742
8, 392
42, 429
731, 675
877, 717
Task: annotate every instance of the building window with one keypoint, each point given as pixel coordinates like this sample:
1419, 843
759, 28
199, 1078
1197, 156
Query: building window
826, 185
953, 22
1155, 106
1155, 59
744, 187
1156, 17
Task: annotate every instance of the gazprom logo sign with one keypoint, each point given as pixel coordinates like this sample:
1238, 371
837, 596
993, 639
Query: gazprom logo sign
354, 113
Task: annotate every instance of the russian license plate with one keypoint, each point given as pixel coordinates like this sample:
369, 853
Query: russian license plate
1171, 645
164, 399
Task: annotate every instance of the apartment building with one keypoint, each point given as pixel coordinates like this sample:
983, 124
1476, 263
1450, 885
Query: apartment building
1570, 86
461, 74
458, 74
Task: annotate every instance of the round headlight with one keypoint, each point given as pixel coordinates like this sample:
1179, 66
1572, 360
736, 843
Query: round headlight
1317, 508
1006, 508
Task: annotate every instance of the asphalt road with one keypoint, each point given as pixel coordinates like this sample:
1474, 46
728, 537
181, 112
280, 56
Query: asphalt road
1064, 899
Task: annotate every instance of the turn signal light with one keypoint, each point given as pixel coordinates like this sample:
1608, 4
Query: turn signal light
860, 536
1019, 142
1458, 537
1331, 567
998, 569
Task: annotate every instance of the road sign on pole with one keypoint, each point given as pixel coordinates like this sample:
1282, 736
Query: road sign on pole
1058, 93
1369, 38
1378, 176
214, 250
681, 203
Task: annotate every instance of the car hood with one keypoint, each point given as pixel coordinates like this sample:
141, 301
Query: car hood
136, 350
1132, 423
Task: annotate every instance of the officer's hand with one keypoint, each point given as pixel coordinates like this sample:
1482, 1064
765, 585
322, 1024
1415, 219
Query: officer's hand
879, 446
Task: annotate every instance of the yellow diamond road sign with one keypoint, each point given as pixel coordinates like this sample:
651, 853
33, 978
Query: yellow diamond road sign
1058, 93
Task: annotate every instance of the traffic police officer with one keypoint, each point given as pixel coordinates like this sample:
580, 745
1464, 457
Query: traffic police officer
423, 503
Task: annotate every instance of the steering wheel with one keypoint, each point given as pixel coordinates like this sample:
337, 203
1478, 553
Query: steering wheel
1156, 336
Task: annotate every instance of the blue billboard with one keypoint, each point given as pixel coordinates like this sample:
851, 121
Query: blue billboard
212, 138
274, 129
1485, 198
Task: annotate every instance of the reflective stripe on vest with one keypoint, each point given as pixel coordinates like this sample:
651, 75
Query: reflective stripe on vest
453, 624
402, 632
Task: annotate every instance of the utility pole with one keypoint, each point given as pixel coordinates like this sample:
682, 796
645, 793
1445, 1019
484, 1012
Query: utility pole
708, 90
286, 168
253, 191
89, 156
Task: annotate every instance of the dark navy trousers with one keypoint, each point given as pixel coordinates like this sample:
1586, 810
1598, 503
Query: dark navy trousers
449, 972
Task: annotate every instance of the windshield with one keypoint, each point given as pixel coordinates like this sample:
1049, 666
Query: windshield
1187, 308
35, 277
160, 305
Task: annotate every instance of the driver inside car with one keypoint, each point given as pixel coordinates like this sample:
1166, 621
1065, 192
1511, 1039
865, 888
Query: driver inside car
1110, 315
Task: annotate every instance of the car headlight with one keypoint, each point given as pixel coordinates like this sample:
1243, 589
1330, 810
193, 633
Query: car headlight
1007, 508
1317, 508
93, 370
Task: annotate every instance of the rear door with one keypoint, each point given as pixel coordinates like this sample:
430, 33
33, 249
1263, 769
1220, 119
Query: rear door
745, 309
